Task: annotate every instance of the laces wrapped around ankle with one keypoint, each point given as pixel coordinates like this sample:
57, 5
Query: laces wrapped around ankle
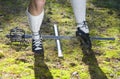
38, 43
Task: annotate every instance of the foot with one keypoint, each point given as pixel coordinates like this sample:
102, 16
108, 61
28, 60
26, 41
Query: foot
83, 35
37, 46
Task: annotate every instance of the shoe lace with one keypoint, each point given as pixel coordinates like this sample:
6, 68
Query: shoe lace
38, 43
84, 24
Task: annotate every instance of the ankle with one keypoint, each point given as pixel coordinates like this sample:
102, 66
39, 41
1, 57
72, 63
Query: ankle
36, 35
83, 26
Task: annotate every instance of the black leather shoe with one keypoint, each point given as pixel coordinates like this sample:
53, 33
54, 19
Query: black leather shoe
84, 39
37, 46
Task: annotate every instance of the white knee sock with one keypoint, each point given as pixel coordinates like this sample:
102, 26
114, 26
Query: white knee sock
79, 8
35, 23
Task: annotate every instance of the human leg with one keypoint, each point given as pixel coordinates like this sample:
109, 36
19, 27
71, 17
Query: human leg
35, 13
79, 8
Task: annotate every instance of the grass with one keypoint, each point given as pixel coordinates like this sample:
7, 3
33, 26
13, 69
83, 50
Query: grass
18, 62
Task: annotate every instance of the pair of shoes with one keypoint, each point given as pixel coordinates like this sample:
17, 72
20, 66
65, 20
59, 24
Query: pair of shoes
37, 46
84, 38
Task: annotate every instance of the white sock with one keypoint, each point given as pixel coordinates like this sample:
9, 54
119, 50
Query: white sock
79, 8
35, 23
36, 36
83, 26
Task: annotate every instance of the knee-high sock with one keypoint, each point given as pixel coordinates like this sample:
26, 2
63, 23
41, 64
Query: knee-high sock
79, 8
35, 23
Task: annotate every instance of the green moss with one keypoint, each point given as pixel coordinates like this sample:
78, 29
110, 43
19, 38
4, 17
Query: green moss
103, 20
27, 77
1, 54
59, 73
113, 31
112, 54
118, 73
107, 70
106, 63
4, 46
84, 75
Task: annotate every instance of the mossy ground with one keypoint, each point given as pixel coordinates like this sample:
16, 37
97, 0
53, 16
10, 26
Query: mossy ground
18, 62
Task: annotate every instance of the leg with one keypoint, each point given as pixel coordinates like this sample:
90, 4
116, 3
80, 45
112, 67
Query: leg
35, 13
79, 8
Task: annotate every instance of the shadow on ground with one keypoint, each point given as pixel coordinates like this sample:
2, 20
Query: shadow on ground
93, 66
111, 4
41, 70
14, 7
